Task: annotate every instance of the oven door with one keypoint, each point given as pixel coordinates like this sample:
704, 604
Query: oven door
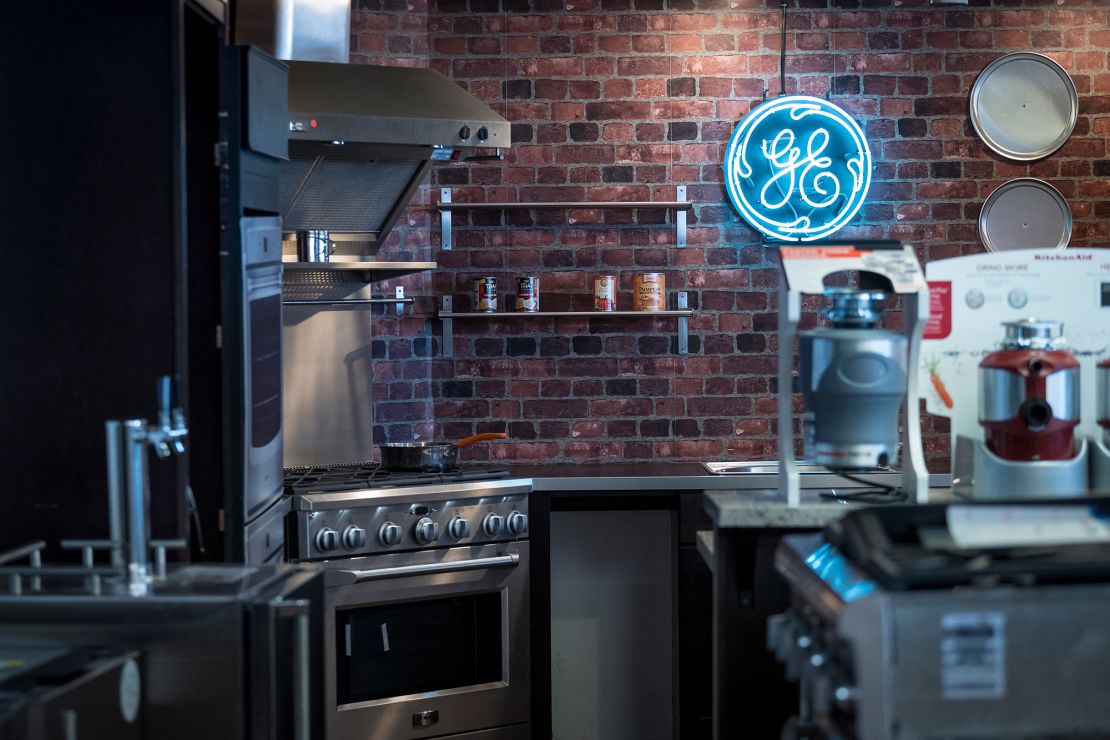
428, 644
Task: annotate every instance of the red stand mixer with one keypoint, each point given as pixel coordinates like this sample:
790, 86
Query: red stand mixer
1029, 394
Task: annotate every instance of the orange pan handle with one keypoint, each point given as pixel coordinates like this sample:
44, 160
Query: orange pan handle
467, 441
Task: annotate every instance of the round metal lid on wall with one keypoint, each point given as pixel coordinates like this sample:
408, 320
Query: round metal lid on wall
1024, 106
1025, 214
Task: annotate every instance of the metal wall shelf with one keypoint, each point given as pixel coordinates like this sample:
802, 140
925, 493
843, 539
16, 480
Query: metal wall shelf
446, 208
373, 271
682, 314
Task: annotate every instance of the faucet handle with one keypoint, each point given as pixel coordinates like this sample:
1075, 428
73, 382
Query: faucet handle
166, 398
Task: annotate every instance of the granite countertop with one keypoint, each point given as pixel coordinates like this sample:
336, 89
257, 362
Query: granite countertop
751, 500
768, 508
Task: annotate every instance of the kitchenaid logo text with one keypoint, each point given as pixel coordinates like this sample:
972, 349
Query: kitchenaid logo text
1062, 257
797, 168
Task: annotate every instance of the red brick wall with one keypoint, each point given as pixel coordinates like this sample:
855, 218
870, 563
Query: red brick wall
625, 99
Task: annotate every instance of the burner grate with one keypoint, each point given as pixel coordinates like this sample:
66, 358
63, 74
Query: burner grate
353, 476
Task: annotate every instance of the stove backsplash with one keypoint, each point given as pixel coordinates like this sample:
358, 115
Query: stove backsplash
327, 370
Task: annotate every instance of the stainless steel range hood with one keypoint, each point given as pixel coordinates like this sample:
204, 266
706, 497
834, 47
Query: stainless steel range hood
360, 140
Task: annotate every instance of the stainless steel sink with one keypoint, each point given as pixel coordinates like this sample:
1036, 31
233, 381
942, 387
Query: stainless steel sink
771, 468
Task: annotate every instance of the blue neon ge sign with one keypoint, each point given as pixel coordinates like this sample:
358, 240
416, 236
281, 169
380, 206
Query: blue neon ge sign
797, 168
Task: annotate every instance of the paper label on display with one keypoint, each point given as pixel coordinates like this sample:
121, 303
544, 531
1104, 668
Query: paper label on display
988, 526
971, 296
807, 266
973, 655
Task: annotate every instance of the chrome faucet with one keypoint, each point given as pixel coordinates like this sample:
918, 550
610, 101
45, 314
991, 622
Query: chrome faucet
129, 484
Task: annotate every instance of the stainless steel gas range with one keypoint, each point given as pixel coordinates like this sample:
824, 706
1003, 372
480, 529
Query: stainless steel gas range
427, 599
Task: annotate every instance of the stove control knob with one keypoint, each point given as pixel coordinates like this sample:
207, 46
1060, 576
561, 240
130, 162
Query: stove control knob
327, 539
517, 523
354, 537
483, 133
491, 525
390, 534
459, 528
464, 133
426, 531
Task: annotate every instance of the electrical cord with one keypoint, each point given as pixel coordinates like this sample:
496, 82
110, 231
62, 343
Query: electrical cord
876, 493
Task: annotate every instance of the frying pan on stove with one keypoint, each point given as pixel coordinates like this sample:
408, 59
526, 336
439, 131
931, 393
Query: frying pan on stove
429, 457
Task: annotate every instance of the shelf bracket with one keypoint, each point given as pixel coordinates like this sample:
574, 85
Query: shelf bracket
447, 345
682, 303
445, 220
680, 218
399, 294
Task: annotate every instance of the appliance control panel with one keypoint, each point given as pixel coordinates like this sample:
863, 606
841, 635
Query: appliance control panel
395, 527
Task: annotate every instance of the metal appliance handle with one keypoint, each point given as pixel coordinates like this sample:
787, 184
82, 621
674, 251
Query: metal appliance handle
350, 577
301, 677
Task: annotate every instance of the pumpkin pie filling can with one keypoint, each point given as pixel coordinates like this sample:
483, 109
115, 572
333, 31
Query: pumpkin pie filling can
605, 293
485, 294
649, 291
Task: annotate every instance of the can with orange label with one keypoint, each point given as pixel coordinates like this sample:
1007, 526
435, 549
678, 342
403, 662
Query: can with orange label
649, 291
605, 293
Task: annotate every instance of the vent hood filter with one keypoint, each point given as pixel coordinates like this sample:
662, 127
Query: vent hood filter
357, 197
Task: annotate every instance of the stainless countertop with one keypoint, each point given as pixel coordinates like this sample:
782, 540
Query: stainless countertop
670, 476
656, 476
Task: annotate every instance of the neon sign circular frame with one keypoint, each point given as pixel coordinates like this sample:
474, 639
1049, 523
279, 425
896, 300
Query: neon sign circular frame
797, 168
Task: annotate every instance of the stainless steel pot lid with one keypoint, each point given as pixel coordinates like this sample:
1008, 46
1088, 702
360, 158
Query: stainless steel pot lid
1024, 106
1025, 214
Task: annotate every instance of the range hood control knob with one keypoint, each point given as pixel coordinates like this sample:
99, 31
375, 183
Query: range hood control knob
464, 133
483, 133
517, 523
354, 537
327, 539
491, 525
458, 528
390, 534
426, 531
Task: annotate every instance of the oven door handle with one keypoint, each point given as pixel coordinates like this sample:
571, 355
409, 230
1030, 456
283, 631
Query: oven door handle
350, 577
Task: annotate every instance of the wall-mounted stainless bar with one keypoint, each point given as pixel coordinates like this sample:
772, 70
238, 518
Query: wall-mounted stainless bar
447, 344
551, 205
398, 300
350, 302
680, 218
446, 206
681, 303
444, 219
447, 317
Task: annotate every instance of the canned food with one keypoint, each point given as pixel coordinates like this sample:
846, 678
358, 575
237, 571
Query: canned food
605, 293
485, 294
649, 291
528, 293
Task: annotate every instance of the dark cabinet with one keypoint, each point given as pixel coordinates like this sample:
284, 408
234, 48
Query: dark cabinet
686, 655
121, 142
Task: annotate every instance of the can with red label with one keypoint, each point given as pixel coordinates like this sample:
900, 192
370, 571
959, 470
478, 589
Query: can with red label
605, 293
528, 293
649, 291
485, 294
